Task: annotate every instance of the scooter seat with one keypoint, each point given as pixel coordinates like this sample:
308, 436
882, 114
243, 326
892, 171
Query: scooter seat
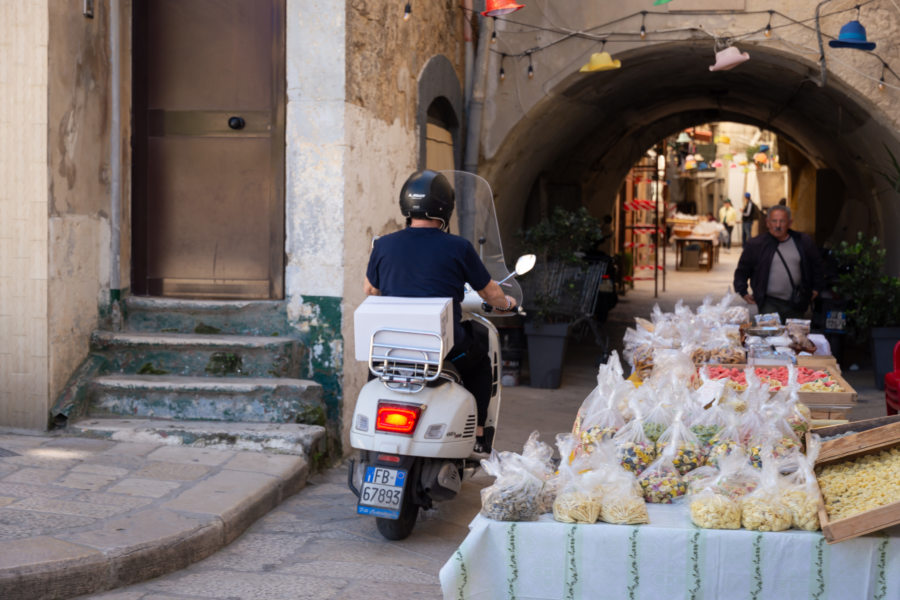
449, 374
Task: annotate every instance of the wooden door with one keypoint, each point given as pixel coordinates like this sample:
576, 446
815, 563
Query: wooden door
208, 176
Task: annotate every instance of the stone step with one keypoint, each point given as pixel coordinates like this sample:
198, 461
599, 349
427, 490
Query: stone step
199, 355
173, 315
286, 438
235, 399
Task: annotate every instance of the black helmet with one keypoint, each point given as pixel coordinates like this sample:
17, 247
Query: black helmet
427, 195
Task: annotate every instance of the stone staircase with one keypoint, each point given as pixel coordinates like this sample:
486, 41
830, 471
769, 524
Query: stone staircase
202, 373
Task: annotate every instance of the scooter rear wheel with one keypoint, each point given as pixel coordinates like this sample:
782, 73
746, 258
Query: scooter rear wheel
399, 529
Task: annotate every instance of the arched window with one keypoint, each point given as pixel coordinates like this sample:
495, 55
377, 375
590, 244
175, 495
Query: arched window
439, 148
439, 116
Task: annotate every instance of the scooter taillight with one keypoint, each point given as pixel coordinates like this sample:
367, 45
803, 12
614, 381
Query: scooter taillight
397, 418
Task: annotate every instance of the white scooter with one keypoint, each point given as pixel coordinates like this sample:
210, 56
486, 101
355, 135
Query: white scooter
414, 422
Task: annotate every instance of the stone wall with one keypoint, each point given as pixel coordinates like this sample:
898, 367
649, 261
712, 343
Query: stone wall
79, 168
23, 214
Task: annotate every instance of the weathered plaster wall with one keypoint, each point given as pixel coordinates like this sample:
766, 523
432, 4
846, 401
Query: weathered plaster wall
385, 58
380, 153
79, 167
23, 214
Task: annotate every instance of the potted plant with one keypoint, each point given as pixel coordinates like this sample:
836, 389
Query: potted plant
873, 299
555, 290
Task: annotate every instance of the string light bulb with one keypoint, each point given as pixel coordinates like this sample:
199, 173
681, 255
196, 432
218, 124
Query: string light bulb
494, 32
502, 74
530, 71
881, 84
643, 28
407, 12
769, 25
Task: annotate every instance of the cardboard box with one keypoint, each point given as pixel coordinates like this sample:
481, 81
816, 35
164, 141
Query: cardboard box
873, 440
421, 319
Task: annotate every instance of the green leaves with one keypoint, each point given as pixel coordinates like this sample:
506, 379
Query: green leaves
873, 296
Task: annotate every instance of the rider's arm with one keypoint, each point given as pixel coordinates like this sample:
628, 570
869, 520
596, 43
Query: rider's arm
370, 289
493, 295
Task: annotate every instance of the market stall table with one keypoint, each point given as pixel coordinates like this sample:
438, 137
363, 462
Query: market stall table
669, 558
709, 250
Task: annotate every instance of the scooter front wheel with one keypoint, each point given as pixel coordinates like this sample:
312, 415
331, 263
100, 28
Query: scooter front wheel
399, 529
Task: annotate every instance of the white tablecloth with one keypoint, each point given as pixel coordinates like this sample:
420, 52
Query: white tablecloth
667, 559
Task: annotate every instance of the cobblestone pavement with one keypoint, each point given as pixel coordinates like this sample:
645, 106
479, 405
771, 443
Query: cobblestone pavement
315, 546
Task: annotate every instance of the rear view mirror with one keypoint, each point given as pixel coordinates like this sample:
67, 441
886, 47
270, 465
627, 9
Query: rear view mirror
525, 263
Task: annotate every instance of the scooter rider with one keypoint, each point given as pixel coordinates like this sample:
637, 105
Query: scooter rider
426, 261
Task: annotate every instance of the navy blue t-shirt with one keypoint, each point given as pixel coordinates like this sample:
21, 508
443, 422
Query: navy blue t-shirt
425, 262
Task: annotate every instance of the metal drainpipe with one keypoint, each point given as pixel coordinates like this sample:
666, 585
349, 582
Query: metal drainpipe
467, 31
473, 129
115, 158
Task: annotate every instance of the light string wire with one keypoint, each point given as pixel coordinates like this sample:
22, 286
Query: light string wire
589, 34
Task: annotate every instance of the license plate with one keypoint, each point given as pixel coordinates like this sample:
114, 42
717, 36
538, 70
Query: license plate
381, 494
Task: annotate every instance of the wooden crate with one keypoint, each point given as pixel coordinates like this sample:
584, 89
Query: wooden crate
825, 403
870, 441
830, 413
819, 362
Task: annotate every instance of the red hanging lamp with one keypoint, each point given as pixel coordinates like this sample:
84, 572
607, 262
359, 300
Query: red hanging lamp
496, 8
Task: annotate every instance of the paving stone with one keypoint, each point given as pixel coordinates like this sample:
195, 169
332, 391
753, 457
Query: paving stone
25, 565
364, 552
21, 490
7, 468
100, 469
358, 590
80, 444
4, 500
121, 461
135, 449
184, 454
16, 524
134, 542
109, 499
171, 471
238, 497
256, 552
34, 476
150, 488
385, 572
223, 585
20, 442
41, 461
66, 507
86, 481
272, 464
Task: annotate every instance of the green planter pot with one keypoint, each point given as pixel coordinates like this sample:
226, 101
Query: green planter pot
883, 341
546, 352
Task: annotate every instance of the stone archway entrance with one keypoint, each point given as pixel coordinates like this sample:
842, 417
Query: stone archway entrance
594, 126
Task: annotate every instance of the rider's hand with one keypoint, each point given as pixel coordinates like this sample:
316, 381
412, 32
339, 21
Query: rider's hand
510, 305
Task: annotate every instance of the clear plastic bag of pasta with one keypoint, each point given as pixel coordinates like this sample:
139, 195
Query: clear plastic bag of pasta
580, 488
610, 385
537, 457
515, 493
623, 503
634, 450
735, 477
763, 509
711, 510
686, 449
661, 482
706, 423
726, 442
657, 420
801, 495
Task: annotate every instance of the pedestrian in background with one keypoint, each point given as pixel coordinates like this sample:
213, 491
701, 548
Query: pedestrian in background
728, 217
749, 214
784, 268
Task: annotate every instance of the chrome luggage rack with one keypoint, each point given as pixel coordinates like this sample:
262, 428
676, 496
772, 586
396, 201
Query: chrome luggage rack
402, 366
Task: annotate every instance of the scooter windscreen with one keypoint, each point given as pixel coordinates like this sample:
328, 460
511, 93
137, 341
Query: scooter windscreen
477, 222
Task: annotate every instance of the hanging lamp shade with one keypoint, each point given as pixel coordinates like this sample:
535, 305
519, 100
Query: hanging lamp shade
723, 139
601, 61
761, 157
718, 163
734, 165
763, 147
728, 156
729, 58
496, 8
852, 35
683, 138
690, 164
